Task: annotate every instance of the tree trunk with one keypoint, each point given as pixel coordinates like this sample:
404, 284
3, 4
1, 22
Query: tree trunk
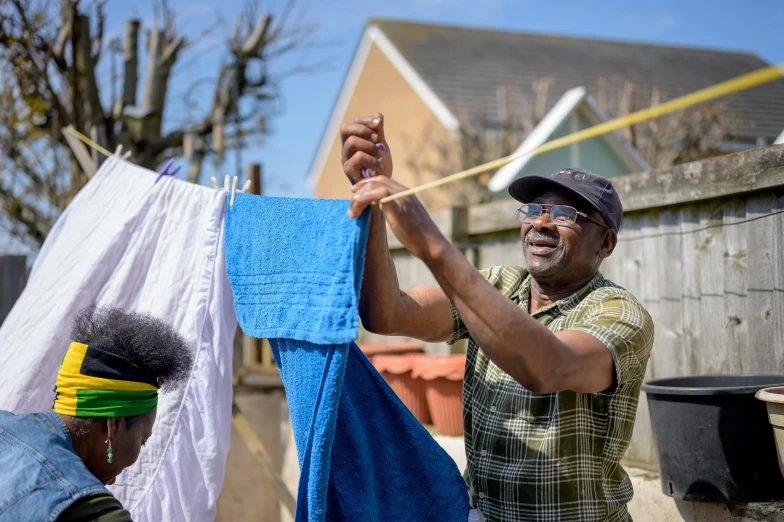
131, 57
151, 99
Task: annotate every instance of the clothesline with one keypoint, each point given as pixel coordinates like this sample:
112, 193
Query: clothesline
87, 141
740, 83
737, 84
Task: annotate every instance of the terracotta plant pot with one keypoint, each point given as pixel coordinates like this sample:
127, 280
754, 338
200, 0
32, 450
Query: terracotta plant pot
373, 349
774, 399
443, 375
396, 370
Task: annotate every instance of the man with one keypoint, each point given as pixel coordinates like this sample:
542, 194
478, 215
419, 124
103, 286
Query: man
556, 353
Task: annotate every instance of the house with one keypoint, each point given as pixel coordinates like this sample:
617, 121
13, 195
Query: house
431, 81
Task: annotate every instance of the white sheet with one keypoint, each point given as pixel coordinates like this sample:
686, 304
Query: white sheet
125, 241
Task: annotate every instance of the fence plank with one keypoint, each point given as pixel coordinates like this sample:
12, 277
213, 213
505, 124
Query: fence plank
13, 277
494, 216
778, 273
735, 289
664, 253
504, 250
690, 294
763, 355
625, 267
712, 355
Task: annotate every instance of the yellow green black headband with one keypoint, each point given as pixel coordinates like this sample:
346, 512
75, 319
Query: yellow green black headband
95, 383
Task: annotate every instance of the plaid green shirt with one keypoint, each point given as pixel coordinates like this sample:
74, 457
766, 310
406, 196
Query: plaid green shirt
555, 457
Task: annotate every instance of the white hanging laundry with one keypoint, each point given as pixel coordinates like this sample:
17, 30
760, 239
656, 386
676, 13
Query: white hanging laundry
127, 242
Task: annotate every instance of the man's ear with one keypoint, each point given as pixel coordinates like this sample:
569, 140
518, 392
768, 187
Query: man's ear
609, 240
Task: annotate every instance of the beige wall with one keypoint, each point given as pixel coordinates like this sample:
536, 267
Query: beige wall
412, 130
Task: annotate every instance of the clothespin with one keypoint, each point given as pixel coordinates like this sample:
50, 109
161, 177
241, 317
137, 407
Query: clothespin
119, 150
165, 170
233, 191
214, 183
245, 187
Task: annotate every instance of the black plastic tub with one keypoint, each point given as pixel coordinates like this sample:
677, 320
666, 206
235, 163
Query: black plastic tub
713, 438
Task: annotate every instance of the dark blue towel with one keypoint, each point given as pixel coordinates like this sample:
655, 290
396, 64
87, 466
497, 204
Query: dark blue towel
295, 267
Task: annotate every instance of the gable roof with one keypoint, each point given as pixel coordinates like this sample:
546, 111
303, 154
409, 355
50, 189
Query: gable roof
576, 99
373, 36
465, 66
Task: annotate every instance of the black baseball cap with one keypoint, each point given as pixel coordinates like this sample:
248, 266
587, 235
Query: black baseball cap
583, 184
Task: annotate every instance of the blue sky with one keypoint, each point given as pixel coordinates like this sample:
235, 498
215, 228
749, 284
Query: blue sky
286, 154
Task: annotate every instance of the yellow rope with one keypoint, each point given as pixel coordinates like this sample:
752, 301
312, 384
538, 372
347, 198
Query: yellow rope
740, 83
86, 140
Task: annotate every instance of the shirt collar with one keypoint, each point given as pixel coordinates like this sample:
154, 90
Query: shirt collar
562, 306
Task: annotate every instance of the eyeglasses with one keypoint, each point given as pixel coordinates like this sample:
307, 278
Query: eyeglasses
562, 215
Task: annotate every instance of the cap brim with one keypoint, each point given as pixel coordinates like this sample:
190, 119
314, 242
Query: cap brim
527, 188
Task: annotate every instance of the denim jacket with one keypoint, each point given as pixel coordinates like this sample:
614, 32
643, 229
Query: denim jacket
40, 473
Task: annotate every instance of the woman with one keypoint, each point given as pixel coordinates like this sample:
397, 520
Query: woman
54, 464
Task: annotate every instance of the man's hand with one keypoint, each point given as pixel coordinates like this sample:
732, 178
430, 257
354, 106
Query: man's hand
365, 148
408, 218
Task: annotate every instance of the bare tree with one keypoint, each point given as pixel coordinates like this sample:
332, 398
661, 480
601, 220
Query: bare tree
49, 79
684, 136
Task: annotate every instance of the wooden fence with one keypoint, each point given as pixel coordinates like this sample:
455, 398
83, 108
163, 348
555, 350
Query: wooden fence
701, 246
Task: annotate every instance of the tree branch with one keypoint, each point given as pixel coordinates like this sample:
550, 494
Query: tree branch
169, 55
85, 70
250, 48
63, 34
97, 41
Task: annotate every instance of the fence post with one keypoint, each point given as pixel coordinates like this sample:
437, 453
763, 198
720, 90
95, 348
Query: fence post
255, 354
13, 277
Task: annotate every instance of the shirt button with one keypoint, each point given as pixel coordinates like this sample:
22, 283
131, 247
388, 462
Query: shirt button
484, 453
493, 408
481, 495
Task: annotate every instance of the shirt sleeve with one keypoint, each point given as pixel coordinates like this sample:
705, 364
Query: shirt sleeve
98, 507
626, 329
459, 329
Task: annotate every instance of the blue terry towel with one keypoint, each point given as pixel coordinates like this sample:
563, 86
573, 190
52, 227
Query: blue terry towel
295, 266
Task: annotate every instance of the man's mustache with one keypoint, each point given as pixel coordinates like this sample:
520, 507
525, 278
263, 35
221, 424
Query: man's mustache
535, 236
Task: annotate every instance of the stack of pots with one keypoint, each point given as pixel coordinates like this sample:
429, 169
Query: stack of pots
431, 386
443, 375
397, 371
